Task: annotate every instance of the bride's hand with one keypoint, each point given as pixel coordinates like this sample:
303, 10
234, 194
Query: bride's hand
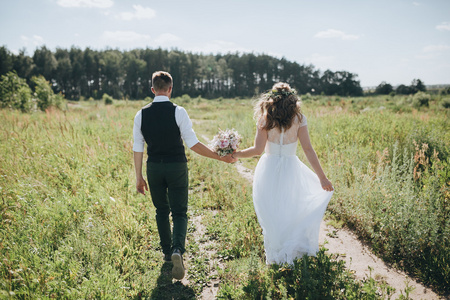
326, 185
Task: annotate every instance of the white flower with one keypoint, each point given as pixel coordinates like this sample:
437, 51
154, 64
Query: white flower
225, 142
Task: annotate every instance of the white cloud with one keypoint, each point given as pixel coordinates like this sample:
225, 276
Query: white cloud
35, 40
436, 48
139, 13
124, 36
433, 52
333, 33
427, 56
416, 3
167, 39
85, 3
443, 26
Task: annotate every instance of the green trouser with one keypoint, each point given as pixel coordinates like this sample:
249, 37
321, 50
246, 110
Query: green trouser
168, 184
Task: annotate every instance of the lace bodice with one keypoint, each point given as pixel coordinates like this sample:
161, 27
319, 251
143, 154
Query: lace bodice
282, 142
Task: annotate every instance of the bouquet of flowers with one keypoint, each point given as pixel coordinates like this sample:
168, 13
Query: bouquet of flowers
225, 142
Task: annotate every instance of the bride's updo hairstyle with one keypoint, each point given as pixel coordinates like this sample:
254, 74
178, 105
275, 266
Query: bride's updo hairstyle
278, 107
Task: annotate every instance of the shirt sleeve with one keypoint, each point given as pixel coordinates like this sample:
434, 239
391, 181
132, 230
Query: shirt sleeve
185, 124
139, 142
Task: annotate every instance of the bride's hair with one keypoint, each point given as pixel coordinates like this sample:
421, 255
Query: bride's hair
278, 107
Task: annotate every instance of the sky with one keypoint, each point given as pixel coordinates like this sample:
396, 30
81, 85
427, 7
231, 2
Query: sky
394, 41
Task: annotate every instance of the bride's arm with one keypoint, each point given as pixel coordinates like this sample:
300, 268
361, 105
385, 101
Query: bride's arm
303, 137
257, 149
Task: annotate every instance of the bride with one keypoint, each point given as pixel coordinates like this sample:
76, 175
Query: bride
289, 199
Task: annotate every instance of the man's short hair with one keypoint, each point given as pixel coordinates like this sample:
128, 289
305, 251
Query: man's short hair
161, 81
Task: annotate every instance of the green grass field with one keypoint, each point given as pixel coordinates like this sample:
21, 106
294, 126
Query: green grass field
72, 225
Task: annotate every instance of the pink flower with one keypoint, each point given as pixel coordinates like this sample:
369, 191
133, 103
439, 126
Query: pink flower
224, 143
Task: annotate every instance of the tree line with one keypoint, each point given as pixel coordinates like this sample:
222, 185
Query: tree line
386, 88
87, 73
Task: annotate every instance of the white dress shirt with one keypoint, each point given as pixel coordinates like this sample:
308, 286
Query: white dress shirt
181, 118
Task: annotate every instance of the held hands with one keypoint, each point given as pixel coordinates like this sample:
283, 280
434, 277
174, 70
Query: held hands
326, 185
141, 186
228, 158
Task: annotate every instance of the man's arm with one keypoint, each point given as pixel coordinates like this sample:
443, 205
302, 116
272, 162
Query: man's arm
201, 149
141, 185
138, 153
189, 137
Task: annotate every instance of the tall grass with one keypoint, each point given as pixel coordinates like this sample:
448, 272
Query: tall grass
73, 226
391, 173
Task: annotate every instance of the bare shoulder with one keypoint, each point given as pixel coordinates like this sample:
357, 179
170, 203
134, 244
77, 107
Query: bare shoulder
260, 123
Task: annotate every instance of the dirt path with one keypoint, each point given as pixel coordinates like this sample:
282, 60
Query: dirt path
359, 258
207, 246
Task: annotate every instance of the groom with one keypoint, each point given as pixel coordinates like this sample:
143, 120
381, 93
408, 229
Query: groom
163, 126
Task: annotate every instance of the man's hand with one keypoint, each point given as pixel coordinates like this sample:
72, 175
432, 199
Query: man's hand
141, 186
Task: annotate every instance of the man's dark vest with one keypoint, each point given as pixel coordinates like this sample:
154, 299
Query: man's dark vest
161, 133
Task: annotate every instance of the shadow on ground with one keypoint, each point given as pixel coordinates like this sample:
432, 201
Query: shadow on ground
167, 289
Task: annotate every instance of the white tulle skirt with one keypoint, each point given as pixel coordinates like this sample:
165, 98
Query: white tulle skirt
290, 203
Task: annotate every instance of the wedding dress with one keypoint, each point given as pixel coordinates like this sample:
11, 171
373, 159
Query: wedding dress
288, 198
